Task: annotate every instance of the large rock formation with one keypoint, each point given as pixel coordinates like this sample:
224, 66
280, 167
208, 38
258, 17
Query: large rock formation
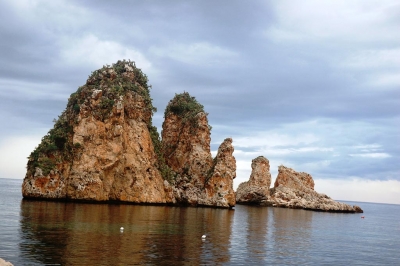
197, 178
102, 146
291, 190
256, 190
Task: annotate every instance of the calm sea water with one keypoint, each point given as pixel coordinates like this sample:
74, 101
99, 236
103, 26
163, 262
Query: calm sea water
58, 233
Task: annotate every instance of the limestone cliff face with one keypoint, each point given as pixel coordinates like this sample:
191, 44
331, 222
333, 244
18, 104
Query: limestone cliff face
101, 148
256, 190
197, 178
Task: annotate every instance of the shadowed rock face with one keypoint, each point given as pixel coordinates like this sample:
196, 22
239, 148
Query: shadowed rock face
198, 178
101, 147
256, 190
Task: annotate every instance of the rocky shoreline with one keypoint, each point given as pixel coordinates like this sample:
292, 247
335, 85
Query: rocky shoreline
104, 148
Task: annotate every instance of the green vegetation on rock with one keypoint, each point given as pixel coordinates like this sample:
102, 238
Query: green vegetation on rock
110, 82
186, 107
54, 146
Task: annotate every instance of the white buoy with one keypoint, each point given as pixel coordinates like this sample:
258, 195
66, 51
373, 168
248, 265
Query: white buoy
121, 229
203, 237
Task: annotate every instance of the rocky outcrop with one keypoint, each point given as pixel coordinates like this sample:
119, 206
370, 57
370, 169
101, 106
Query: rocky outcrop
256, 190
289, 178
197, 178
291, 190
296, 190
102, 146
219, 182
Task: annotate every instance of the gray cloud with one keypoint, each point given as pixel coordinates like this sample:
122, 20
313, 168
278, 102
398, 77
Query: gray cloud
304, 84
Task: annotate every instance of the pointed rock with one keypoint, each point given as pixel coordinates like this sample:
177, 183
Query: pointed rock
256, 190
219, 182
197, 178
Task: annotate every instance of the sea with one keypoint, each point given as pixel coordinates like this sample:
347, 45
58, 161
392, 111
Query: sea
70, 233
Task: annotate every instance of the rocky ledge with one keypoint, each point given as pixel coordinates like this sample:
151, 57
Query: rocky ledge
291, 190
103, 147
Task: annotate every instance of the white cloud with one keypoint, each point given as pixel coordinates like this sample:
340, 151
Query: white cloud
273, 139
357, 189
338, 21
385, 65
14, 153
349, 35
90, 50
371, 155
33, 90
200, 53
368, 59
385, 80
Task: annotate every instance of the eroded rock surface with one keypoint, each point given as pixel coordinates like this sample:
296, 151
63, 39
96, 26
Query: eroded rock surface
101, 147
296, 190
256, 190
197, 179
291, 190
219, 182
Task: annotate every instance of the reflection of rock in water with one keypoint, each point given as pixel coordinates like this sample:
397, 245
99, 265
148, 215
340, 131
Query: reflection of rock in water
257, 233
89, 234
291, 234
42, 234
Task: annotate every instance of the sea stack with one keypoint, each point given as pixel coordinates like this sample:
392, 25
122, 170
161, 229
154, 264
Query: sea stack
256, 190
103, 147
197, 178
291, 190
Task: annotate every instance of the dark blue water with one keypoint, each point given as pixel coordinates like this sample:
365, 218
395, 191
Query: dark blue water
58, 233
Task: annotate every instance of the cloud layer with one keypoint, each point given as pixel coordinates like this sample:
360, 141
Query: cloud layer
313, 85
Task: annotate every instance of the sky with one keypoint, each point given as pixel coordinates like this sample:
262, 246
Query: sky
312, 85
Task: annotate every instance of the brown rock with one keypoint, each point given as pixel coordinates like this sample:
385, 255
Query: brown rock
219, 183
198, 179
296, 190
101, 148
289, 178
256, 190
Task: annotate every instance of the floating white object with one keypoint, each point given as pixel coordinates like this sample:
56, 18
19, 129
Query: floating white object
203, 237
122, 229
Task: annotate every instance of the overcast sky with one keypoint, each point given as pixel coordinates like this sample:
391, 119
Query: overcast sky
312, 85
